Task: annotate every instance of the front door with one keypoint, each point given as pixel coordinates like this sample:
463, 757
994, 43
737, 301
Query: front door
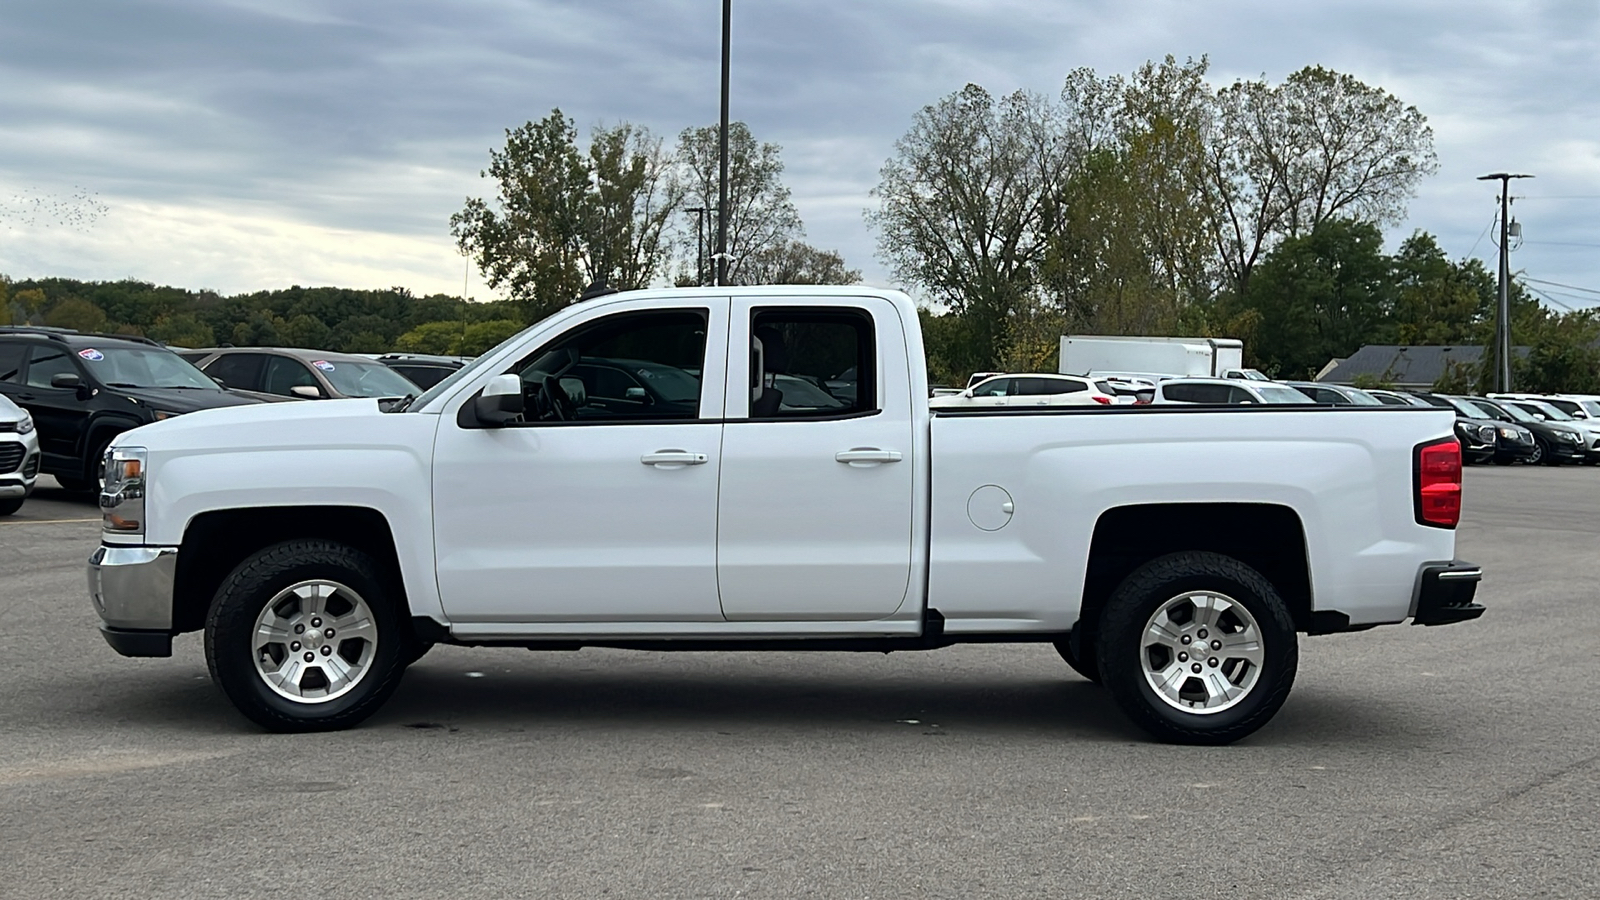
60, 414
602, 505
818, 475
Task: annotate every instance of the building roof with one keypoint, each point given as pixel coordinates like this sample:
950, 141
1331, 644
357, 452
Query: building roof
1402, 366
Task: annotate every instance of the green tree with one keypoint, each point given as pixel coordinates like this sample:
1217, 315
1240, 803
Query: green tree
796, 262
305, 330
433, 337
761, 215
182, 330
77, 314
1319, 296
562, 218
481, 337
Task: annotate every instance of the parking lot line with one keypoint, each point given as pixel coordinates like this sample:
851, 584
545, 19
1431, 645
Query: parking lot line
48, 521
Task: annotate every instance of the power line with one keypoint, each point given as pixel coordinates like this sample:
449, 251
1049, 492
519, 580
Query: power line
1492, 219
1570, 287
1553, 300
1563, 243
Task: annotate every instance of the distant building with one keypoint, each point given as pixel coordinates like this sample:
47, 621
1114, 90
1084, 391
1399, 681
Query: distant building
1404, 367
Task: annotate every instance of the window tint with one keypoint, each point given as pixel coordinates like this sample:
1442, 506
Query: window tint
283, 373
1038, 387
631, 366
11, 354
998, 387
238, 370
1238, 395
47, 361
810, 363
1197, 393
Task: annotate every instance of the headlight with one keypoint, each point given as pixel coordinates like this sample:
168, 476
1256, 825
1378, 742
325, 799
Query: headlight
162, 414
1573, 436
122, 500
1508, 433
26, 425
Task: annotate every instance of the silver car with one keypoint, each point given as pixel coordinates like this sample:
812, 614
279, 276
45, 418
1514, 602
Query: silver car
19, 456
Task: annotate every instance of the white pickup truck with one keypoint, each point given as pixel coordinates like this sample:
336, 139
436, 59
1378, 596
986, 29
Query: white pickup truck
758, 469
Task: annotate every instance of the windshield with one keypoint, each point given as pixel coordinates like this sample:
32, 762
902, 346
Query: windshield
1283, 395
1466, 408
1536, 408
144, 367
1512, 410
1592, 407
1361, 398
364, 379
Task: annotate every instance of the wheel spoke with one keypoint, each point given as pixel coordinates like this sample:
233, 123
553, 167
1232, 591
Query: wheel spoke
1164, 634
353, 625
1219, 688
272, 633
287, 676
336, 671
1206, 611
1243, 645
314, 597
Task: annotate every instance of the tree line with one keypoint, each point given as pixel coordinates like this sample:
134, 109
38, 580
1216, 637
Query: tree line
1154, 203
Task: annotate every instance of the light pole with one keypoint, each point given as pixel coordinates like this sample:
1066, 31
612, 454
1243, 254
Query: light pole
1502, 324
721, 257
699, 213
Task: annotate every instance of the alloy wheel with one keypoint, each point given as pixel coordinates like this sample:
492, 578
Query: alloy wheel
1201, 652
314, 641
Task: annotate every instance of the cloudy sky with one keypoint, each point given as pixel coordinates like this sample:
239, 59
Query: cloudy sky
246, 144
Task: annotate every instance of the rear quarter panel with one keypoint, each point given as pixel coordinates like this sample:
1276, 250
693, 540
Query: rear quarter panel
1347, 473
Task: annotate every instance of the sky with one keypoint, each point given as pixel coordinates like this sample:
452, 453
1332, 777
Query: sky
240, 145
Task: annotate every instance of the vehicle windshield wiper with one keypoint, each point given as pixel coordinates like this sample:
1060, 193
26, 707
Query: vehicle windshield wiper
123, 384
401, 404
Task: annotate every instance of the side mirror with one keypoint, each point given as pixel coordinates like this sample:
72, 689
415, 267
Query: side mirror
1541, 417
67, 380
306, 391
635, 393
500, 402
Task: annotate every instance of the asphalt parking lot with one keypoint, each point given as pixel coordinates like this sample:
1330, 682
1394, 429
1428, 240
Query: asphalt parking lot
1409, 762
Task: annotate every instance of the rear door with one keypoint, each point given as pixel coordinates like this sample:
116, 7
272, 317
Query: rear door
239, 371
815, 507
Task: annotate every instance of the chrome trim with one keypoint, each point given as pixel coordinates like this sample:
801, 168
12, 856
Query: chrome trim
1453, 574
131, 587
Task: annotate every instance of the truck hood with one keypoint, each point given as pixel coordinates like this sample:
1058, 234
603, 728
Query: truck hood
245, 423
180, 400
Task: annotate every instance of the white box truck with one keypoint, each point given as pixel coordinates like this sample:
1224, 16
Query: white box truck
1174, 356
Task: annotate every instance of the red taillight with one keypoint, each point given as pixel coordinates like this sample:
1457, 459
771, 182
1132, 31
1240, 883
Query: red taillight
1103, 401
1439, 484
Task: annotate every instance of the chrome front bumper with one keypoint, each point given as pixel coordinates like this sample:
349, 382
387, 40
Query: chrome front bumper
132, 591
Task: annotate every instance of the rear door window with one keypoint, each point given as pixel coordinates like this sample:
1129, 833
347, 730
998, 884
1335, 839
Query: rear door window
241, 371
811, 363
283, 373
1039, 387
11, 356
999, 387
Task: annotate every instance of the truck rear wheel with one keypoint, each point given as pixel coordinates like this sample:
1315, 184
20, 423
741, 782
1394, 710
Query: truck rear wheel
306, 636
1197, 648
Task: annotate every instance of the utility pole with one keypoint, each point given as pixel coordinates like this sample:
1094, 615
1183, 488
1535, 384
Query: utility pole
1502, 326
721, 259
699, 213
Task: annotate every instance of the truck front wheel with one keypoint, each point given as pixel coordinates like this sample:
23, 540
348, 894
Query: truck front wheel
306, 636
1197, 648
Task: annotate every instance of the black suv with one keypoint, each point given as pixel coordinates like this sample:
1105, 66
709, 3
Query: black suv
84, 389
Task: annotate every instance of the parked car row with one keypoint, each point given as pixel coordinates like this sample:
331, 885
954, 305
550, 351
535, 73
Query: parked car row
1507, 429
65, 394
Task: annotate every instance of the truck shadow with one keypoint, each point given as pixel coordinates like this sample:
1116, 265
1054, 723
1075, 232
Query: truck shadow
1067, 706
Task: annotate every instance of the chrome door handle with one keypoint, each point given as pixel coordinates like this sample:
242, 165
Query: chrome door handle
867, 456
672, 459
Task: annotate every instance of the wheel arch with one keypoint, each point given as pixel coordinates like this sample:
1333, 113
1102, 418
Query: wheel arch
216, 541
1267, 537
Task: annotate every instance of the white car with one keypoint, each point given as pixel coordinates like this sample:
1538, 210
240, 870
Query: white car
19, 456
1028, 390
1175, 557
1226, 392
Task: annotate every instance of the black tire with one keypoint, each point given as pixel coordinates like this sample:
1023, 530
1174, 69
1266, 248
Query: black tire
93, 472
1085, 667
1121, 634
1539, 455
7, 507
243, 596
